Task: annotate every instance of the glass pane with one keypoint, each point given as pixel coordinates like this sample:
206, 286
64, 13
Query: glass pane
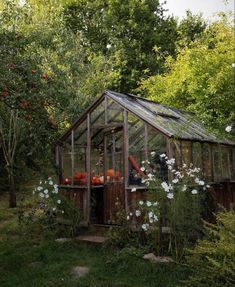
197, 155
187, 152
66, 164
114, 156
115, 112
217, 162
79, 175
80, 134
207, 162
232, 162
98, 115
97, 157
176, 153
157, 143
225, 163
137, 153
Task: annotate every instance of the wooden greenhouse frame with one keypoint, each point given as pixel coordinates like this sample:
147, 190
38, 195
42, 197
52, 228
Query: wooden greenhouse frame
99, 157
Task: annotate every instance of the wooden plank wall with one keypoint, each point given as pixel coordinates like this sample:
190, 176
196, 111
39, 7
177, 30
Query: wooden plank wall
224, 194
114, 201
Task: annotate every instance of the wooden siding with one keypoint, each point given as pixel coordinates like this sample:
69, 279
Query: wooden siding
114, 201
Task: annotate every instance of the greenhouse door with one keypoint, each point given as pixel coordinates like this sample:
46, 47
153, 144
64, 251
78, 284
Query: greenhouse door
114, 197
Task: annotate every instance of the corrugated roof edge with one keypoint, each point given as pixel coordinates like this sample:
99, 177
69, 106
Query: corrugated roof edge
108, 92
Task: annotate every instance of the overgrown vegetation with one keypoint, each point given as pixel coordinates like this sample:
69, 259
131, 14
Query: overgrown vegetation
212, 260
29, 258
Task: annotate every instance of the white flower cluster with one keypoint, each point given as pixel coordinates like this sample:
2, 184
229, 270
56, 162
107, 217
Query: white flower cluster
43, 192
150, 214
48, 190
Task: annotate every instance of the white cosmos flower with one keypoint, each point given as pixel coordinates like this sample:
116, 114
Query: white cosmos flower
33, 192
142, 168
55, 186
59, 201
54, 208
162, 155
50, 182
150, 214
40, 182
130, 213
46, 191
155, 218
165, 186
39, 188
228, 129
150, 220
153, 153
175, 180
184, 187
128, 217
41, 194
148, 203
47, 195
62, 211
137, 213
141, 202
170, 161
201, 182
133, 189
143, 161
150, 176
194, 191
145, 226
108, 46
170, 195
207, 186
155, 203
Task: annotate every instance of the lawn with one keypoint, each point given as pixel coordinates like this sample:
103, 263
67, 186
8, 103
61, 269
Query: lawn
28, 259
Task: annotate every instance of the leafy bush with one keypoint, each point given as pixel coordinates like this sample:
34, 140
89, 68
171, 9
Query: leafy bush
174, 205
212, 260
51, 210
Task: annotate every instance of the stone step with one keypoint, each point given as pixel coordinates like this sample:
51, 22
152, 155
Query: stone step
92, 239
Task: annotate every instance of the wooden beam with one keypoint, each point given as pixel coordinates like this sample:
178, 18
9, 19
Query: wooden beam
146, 141
126, 161
72, 155
88, 163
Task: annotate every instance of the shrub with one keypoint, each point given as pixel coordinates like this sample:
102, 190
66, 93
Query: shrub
51, 210
174, 202
212, 260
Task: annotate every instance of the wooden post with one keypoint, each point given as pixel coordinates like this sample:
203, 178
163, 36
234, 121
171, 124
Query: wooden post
126, 161
72, 156
212, 163
88, 169
146, 141
105, 138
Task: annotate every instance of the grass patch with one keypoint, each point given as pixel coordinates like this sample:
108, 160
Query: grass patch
27, 259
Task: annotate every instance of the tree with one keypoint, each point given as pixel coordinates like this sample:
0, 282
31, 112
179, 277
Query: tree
190, 28
44, 72
127, 32
201, 78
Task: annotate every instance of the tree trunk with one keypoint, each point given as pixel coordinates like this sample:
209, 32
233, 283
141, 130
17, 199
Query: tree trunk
12, 191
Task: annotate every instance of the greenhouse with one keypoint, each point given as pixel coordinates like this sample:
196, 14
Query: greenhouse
99, 158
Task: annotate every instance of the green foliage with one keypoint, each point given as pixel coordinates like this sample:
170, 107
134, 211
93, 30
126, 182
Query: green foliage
52, 211
123, 235
190, 28
201, 78
47, 79
126, 32
174, 206
212, 260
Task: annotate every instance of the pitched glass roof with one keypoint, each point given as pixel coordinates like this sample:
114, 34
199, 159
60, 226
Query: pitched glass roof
170, 121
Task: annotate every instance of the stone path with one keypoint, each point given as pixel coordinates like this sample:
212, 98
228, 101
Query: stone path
92, 238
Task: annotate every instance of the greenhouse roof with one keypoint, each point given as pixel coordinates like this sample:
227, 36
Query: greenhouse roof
172, 122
